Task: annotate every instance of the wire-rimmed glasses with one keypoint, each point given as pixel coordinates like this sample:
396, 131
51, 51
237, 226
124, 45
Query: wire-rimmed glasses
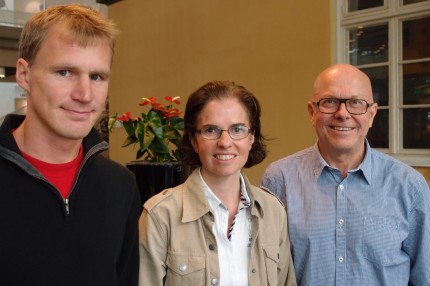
213, 132
354, 106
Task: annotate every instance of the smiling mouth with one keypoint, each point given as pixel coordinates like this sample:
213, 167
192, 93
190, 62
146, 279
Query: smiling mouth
77, 112
342, 128
224, 157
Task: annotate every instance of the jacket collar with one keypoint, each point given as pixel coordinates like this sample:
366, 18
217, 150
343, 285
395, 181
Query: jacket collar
92, 143
196, 204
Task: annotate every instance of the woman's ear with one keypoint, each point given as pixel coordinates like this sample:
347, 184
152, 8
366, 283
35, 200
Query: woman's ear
194, 143
251, 141
22, 74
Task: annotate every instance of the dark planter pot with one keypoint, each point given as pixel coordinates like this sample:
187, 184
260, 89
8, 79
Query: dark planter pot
154, 177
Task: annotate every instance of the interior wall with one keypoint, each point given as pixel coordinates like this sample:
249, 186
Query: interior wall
8, 57
275, 49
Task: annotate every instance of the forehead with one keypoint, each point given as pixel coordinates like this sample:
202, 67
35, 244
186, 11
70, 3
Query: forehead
61, 34
223, 110
60, 47
343, 85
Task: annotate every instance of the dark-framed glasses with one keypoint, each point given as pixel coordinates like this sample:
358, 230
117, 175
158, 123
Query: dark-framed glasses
353, 105
213, 132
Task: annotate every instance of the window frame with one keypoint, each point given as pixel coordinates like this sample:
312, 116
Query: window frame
392, 13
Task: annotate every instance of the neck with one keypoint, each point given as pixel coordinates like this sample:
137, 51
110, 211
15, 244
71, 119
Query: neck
344, 162
44, 148
227, 189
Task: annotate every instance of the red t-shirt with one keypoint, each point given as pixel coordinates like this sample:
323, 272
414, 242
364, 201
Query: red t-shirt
62, 176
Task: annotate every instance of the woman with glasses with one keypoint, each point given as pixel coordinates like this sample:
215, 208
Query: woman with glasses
216, 228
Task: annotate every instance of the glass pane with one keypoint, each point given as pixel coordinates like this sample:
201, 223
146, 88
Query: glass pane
416, 83
378, 134
406, 2
416, 39
368, 44
379, 79
416, 128
356, 5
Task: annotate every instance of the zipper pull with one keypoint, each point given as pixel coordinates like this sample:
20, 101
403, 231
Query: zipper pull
66, 206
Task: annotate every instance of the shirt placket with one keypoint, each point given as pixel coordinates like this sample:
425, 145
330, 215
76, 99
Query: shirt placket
340, 234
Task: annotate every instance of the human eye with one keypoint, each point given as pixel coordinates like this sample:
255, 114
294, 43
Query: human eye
329, 101
238, 129
63, 73
210, 130
356, 102
96, 77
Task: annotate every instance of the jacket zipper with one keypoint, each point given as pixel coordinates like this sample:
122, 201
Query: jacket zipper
66, 203
66, 207
90, 153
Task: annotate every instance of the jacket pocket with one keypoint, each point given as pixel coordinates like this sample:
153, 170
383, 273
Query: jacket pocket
381, 241
185, 269
271, 258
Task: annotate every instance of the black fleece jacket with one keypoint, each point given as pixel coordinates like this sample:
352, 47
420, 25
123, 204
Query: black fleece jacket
91, 238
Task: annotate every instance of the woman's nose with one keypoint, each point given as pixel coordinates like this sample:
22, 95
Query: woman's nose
224, 139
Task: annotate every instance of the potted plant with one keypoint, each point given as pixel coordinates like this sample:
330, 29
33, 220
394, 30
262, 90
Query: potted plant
155, 134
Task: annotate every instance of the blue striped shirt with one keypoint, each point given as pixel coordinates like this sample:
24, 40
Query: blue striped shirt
370, 228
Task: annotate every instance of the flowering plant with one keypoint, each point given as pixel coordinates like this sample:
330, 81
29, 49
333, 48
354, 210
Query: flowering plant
156, 131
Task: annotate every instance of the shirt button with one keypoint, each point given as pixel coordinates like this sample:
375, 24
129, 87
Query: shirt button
341, 187
182, 267
254, 270
211, 247
214, 281
340, 259
341, 221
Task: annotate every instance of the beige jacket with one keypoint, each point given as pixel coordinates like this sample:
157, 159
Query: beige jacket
177, 246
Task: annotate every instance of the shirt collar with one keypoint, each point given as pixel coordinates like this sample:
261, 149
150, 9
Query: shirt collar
213, 200
196, 204
365, 167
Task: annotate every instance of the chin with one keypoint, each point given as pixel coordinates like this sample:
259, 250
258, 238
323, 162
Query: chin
76, 135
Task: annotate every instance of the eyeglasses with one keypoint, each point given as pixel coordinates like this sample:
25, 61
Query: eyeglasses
213, 132
353, 106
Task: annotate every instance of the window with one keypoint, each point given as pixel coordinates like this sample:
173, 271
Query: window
389, 40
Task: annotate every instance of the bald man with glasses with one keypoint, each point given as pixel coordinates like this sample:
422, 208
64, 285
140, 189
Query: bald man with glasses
356, 216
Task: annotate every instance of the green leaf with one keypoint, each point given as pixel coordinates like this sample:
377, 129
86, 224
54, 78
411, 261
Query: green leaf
129, 140
158, 146
176, 154
129, 127
178, 123
146, 140
171, 133
112, 121
175, 142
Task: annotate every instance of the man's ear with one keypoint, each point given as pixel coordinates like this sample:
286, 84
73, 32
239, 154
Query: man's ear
311, 112
22, 74
372, 112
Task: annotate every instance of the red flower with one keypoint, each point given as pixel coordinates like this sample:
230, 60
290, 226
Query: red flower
125, 117
173, 99
159, 106
174, 112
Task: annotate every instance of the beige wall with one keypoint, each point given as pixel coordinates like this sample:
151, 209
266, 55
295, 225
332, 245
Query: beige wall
274, 48
8, 57
426, 173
